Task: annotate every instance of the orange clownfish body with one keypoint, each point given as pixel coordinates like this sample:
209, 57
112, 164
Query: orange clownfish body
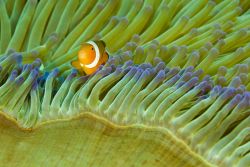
91, 55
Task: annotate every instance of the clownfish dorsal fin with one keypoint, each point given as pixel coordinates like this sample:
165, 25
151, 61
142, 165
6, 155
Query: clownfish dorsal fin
103, 43
104, 46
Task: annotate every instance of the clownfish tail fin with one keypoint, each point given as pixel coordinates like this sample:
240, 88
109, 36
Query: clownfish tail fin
107, 54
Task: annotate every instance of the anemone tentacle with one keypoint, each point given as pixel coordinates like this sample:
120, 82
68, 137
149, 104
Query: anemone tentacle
182, 66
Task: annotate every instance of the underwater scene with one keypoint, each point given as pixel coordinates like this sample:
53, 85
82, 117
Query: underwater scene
125, 83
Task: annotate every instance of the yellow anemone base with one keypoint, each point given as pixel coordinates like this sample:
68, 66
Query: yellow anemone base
89, 140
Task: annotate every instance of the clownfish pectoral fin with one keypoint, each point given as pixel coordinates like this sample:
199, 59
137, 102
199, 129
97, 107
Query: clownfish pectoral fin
76, 64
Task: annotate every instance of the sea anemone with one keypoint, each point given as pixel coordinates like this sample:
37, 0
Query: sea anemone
174, 92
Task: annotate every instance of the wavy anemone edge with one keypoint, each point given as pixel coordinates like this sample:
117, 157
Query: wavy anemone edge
168, 135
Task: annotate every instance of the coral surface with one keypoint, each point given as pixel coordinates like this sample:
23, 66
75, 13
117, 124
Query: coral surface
174, 92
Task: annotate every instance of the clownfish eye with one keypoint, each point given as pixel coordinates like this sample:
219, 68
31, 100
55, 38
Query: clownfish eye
92, 48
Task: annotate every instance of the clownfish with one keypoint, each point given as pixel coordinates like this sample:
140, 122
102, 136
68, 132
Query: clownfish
91, 55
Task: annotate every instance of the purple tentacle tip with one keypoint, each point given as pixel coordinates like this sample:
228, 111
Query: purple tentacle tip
173, 80
180, 84
54, 73
132, 71
20, 80
127, 69
105, 71
118, 70
72, 75
176, 69
222, 71
189, 69
109, 69
152, 71
34, 86
34, 73
13, 75
243, 68
161, 75
186, 76
228, 93
192, 82
157, 60
37, 62
138, 73
56, 70
237, 98
113, 67
27, 67
129, 63
145, 73
160, 66
235, 82
145, 66
245, 102
207, 78
198, 72
202, 85
166, 69
247, 95
18, 58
